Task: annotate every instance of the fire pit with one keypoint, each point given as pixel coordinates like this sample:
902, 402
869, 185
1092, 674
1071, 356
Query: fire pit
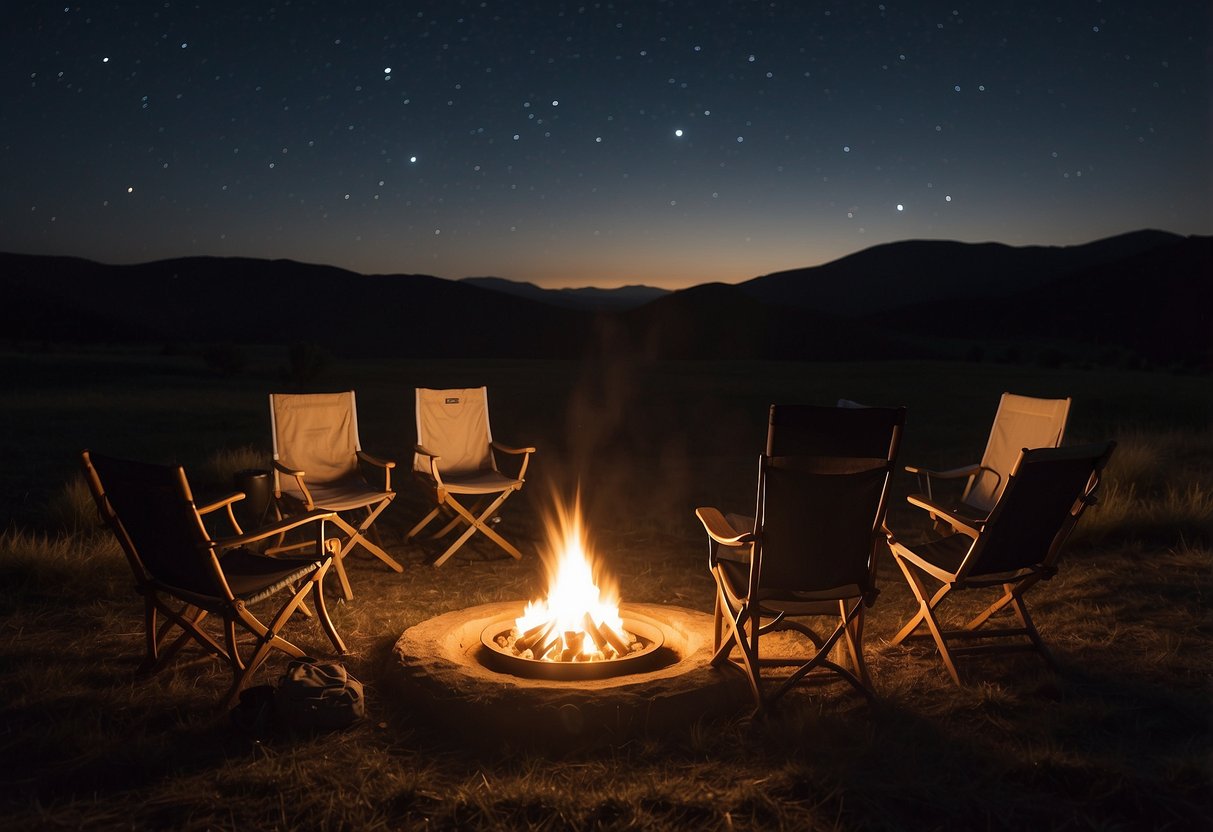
639, 651
570, 682
576, 631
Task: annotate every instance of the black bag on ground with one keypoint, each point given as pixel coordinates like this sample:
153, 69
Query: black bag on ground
319, 696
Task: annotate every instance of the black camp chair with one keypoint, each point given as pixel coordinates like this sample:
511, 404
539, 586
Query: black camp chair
184, 574
809, 553
1014, 549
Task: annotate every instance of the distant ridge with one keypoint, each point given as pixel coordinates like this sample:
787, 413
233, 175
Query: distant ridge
588, 298
1137, 299
900, 274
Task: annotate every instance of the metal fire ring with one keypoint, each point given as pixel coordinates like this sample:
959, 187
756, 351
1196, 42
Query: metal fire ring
504, 660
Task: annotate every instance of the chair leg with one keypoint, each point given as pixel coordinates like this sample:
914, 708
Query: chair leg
846, 629
425, 521
989, 611
725, 641
194, 631
914, 623
926, 612
855, 643
322, 612
267, 639
477, 524
357, 537
1025, 620
188, 619
717, 624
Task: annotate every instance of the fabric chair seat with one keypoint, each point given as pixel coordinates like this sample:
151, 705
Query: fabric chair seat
478, 482
947, 553
737, 576
339, 495
252, 577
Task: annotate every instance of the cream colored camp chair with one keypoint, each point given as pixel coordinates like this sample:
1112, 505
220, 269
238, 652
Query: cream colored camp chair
1018, 546
183, 574
808, 555
454, 455
1020, 422
316, 465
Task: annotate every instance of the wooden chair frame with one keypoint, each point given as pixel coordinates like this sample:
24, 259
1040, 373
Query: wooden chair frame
962, 561
368, 501
749, 607
1019, 421
185, 608
487, 488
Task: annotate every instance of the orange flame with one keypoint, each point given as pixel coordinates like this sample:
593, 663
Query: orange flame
573, 588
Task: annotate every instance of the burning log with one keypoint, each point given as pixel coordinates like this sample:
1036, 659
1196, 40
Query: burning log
548, 644
534, 636
576, 621
600, 641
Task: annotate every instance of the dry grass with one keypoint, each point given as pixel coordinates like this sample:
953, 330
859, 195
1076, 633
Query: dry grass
1117, 738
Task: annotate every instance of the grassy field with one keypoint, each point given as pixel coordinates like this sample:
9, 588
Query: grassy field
1118, 738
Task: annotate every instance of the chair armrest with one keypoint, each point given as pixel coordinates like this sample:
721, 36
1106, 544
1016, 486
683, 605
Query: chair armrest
226, 502
961, 524
376, 461
525, 452
234, 497
925, 475
720, 529
284, 525
506, 449
298, 475
290, 472
421, 450
386, 464
947, 474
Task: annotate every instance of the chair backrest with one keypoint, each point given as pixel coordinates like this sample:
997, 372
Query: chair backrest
822, 496
316, 433
1021, 422
454, 424
151, 511
1048, 491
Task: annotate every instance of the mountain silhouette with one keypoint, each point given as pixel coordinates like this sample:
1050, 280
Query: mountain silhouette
1140, 293
902, 274
588, 298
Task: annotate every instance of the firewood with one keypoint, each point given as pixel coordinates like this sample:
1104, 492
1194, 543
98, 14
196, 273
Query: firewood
600, 641
614, 639
574, 640
547, 646
534, 636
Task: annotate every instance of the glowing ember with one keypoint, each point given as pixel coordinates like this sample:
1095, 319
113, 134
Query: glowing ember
578, 621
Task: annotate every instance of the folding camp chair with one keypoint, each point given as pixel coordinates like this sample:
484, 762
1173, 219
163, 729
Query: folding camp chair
809, 551
316, 465
1020, 422
1016, 548
184, 574
454, 456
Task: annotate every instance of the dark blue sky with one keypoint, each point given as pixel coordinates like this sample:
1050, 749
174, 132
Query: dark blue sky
668, 143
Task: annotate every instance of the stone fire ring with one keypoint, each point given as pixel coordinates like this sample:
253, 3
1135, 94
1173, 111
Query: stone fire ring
437, 667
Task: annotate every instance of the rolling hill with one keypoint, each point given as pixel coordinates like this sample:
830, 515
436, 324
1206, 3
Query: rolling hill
1141, 293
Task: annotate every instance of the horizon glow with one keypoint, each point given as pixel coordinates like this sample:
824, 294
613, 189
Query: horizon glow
666, 143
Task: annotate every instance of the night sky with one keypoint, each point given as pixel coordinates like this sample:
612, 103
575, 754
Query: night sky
668, 143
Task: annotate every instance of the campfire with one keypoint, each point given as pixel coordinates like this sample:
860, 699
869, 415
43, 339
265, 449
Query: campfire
577, 631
